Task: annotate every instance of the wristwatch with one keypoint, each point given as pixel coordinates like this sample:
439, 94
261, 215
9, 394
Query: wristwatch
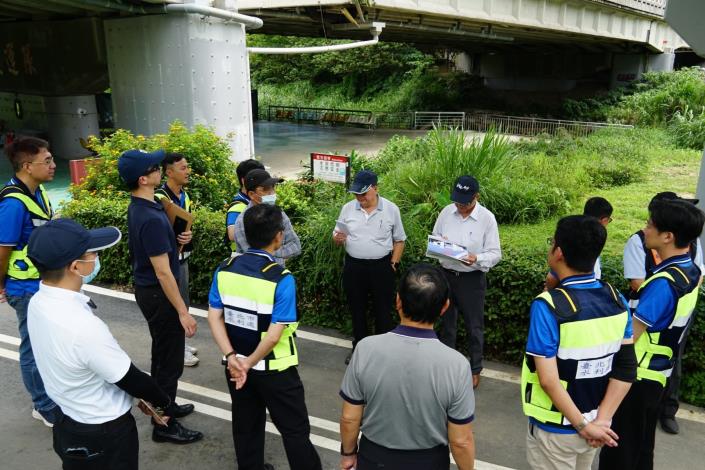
348, 454
582, 424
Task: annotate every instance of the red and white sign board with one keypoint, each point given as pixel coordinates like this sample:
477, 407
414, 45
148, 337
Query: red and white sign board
333, 168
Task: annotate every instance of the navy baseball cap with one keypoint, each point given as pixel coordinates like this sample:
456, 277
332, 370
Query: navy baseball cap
259, 177
464, 189
134, 163
363, 181
671, 196
61, 241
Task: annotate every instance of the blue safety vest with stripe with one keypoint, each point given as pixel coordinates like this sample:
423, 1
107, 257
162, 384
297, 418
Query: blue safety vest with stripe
238, 206
247, 284
591, 326
19, 266
656, 351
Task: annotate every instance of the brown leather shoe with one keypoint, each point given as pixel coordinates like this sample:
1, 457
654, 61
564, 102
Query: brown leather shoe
475, 380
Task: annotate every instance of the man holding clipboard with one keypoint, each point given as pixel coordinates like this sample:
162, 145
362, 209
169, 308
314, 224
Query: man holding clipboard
177, 173
154, 255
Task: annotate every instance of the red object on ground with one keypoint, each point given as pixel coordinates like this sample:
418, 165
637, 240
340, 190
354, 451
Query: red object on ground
78, 169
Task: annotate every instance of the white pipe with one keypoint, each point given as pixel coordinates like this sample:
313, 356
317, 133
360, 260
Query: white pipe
250, 22
376, 31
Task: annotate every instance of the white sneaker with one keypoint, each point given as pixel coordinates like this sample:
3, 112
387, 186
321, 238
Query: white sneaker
189, 359
37, 415
191, 349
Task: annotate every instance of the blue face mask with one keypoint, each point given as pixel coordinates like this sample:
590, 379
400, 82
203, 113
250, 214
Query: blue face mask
270, 199
96, 269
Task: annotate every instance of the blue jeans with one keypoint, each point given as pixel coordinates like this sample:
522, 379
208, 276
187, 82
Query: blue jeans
30, 374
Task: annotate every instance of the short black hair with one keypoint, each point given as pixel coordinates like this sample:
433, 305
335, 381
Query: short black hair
581, 239
51, 275
246, 166
679, 217
23, 149
423, 291
170, 158
262, 224
598, 207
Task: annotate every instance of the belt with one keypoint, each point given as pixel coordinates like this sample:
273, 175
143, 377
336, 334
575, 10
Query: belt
108, 426
184, 256
368, 261
462, 273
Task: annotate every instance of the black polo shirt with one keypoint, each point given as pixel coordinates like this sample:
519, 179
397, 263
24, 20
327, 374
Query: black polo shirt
149, 234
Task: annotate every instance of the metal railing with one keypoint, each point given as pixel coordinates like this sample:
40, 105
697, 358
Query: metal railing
528, 126
656, 7
325, 116
446, 120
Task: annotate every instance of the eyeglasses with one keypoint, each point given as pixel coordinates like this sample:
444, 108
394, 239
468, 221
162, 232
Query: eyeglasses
47, 161
151, 170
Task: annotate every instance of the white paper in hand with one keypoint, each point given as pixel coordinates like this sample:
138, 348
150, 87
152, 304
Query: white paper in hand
342, 227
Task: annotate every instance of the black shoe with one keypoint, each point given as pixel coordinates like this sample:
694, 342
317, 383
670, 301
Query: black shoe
175, 433
268, 466
669, 425
179, 411
347, 359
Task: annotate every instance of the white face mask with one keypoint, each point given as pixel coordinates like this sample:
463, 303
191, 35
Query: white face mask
87, 279
270, 199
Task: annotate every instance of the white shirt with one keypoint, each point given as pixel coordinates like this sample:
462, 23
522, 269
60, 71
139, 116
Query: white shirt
372, 235
634, 258
77, 357
477, 232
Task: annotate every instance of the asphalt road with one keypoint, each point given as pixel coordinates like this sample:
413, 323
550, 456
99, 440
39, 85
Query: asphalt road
500, 426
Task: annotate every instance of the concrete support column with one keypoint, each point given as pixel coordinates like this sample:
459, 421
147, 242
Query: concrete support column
181, 67
626, 68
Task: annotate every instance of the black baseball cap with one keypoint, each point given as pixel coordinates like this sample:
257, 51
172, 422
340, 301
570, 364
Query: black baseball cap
464, 189
61, 241
134, 163
260, 178
364, 180
670, 196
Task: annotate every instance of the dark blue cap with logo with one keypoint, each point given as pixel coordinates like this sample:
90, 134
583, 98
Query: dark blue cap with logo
464, 189
363, 181
57, 243
134, 163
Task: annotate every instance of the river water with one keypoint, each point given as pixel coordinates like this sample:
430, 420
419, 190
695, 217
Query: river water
282, 147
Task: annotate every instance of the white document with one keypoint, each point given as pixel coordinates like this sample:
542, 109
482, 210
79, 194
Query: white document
342, 227
439, 248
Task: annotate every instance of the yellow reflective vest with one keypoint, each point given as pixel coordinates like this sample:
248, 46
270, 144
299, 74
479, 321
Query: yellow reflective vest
19, 266
591, 325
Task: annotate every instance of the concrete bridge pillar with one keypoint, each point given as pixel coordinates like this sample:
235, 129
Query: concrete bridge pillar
183, 67
629, 67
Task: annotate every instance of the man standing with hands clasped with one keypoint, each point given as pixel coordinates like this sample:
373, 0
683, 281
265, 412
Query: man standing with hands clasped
466, 222
155, 265
370, 227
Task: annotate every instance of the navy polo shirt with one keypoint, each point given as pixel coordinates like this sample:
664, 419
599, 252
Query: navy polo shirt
149, 234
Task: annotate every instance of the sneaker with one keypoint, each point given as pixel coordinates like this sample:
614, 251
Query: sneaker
189, 359
191, 349
37, 415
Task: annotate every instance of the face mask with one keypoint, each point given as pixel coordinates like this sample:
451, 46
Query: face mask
270, 199
88, 278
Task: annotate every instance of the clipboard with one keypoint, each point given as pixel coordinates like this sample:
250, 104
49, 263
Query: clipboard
180, 219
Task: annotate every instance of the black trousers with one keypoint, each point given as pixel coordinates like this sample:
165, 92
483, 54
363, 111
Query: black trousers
669, 402
363, 279
635, 424
167, 337
282, 393
372, 457
109, 446
468, 297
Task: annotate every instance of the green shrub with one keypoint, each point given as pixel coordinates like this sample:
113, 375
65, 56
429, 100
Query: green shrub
212, 183
688, 129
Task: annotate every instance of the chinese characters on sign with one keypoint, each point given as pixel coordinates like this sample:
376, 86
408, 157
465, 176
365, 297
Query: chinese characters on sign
10, 58
594, 368
333, 168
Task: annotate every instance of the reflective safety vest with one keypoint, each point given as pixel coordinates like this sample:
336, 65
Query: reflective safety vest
655, 351
591, 330
239, 207
161, 194
19, 266
247, 284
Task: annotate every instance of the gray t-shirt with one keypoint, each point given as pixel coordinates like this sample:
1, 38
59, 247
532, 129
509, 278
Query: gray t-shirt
411, 386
